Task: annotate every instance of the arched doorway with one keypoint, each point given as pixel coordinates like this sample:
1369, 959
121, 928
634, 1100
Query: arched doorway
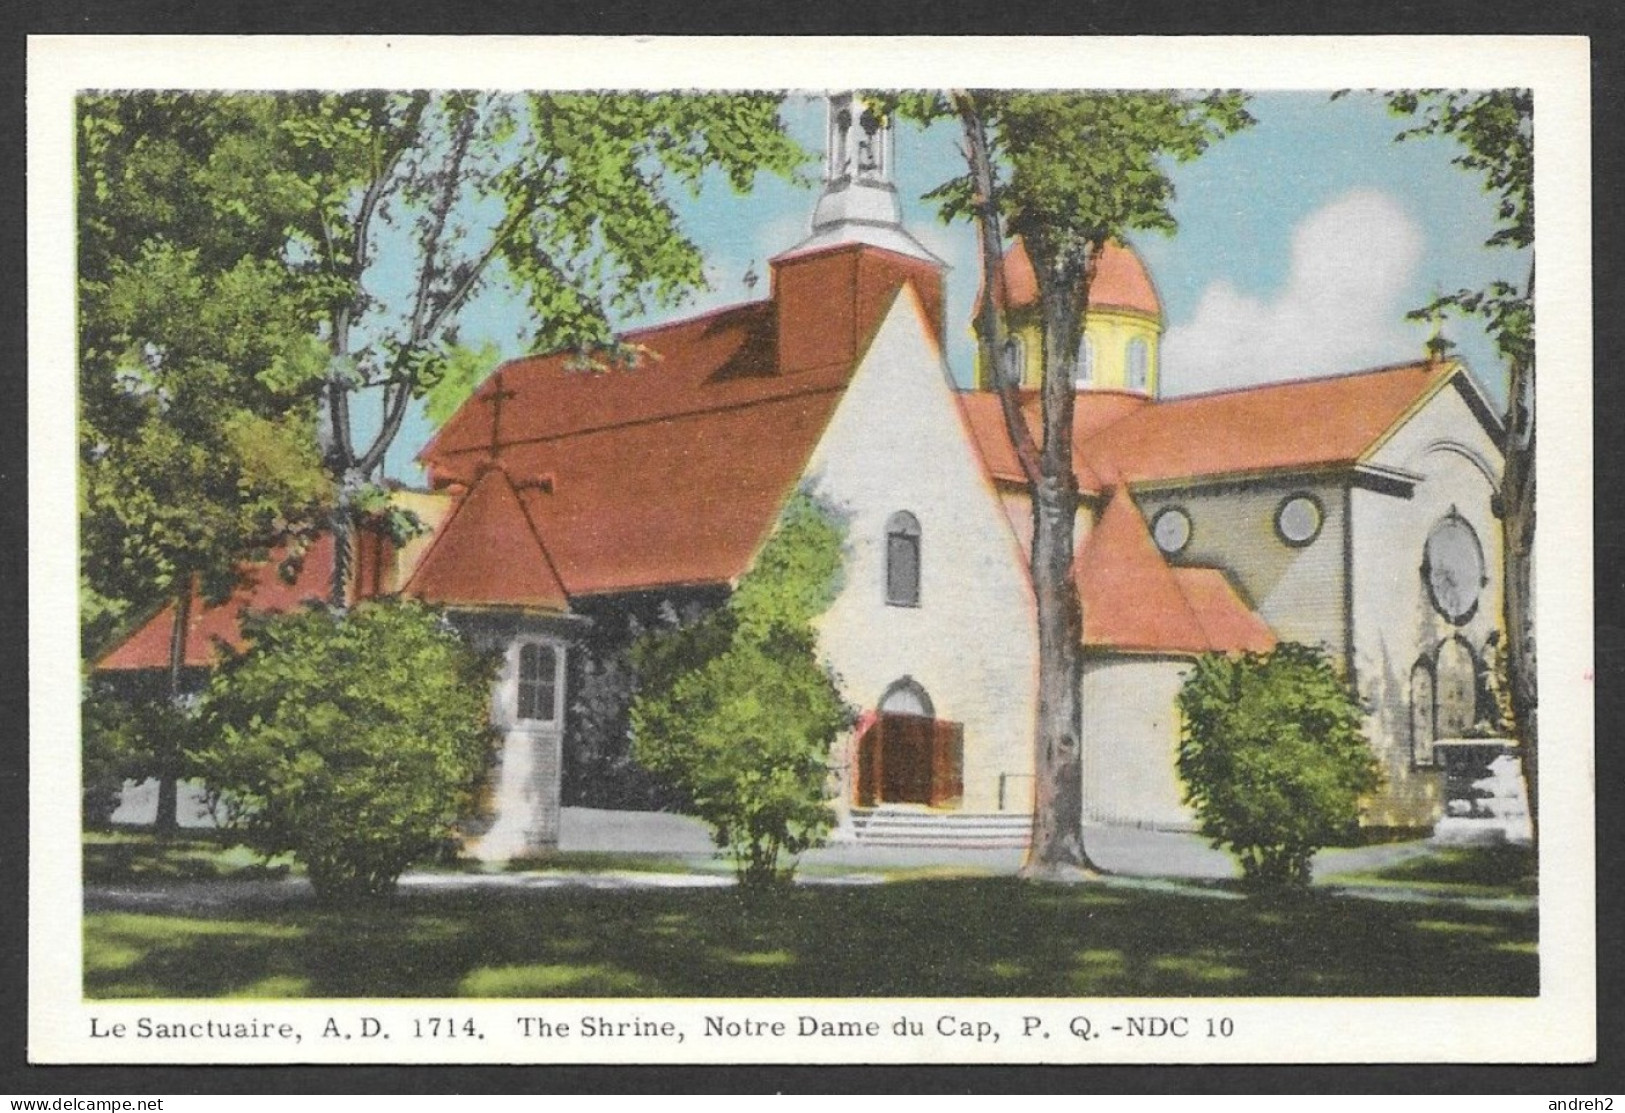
907, 755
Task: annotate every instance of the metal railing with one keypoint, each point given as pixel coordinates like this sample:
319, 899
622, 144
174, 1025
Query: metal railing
1005, 779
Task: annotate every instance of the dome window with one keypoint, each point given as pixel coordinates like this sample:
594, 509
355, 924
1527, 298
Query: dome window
1086, 361
903, 560
1139, 364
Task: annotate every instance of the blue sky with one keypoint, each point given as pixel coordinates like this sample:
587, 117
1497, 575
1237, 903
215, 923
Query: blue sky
1302, 244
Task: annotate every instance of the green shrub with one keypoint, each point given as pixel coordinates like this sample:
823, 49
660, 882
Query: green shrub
1273, 758
354, 741
737, 710
130, 732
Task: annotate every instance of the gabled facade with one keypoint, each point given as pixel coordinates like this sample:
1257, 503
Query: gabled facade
1350, 512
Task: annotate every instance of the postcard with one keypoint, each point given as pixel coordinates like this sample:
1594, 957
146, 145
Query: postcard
798, 550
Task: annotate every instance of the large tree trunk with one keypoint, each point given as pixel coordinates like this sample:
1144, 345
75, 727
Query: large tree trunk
1518, 600
167, 820
1056, 851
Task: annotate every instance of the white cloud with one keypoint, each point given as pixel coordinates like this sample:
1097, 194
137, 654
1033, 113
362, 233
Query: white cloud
1342, 308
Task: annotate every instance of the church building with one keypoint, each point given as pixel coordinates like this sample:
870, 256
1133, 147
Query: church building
1353, 512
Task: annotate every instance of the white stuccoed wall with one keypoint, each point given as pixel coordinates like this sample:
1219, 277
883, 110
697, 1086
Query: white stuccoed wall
1393, 616
1131, 741
896, 442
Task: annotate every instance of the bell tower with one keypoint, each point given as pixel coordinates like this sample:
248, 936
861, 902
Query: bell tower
831, 289
859, 203
858, 154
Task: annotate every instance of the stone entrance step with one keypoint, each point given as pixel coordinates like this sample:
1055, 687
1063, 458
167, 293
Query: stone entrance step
902, 826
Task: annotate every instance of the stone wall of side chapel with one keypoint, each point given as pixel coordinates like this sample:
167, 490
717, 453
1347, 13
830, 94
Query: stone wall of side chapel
1395, 621
897, 443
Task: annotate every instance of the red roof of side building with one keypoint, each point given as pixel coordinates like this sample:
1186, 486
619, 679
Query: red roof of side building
212, 628
1287, 426
1302, 424
1132, 598
488, 543
1121, 281
1134, 602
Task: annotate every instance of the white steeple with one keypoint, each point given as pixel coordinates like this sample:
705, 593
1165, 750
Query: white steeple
859, 203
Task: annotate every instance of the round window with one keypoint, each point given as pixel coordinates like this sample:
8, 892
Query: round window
1298, 520
1453, 564
1171, 529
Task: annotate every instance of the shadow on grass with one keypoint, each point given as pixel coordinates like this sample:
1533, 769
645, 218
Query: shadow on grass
1504, 869
980, 937
113, 856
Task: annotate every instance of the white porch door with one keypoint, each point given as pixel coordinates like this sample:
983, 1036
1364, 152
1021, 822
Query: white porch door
528, 708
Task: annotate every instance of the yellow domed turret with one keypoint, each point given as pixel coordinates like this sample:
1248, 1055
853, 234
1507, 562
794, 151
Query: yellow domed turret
1121, 333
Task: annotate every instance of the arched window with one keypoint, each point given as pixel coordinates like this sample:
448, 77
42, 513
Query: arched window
906, 697
1422, 713
538, 687
1455, 689
1139, 364
1086, 361
903, 560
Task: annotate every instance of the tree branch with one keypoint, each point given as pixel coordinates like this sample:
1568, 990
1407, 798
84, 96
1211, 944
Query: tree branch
989, 325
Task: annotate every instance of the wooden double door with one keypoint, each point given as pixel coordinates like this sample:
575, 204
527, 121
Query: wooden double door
911, 759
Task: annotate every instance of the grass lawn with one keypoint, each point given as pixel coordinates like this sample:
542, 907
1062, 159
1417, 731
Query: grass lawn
954, 936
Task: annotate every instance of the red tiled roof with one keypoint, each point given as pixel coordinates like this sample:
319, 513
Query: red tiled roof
673, 471
1093, 411
1133, 601
680, 487
487, 553
262, 590
1121, 281
1305, 423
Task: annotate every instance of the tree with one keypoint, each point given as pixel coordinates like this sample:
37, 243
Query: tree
400, 208
737, 710
1273, 758
1495, 129
250, 264
196, 448
352, 739
1067, 172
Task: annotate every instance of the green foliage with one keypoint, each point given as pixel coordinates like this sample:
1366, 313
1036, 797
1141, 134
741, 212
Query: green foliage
1273, 758
353, 741
196, 374
129, 736
737, 710
1076, 169
462, 370
366, 222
